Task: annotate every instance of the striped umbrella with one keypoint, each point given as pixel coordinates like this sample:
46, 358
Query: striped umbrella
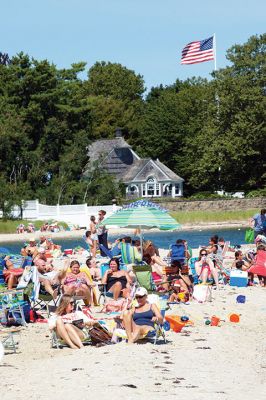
142, 217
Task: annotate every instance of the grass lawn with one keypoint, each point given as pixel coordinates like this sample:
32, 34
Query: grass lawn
193, 217
10, 226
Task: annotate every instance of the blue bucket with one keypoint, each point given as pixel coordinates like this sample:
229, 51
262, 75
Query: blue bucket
241, 299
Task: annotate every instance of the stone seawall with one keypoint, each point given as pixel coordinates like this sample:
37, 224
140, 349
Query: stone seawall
216, 205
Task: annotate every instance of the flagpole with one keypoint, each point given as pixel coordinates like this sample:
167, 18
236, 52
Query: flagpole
217, 99
214, 48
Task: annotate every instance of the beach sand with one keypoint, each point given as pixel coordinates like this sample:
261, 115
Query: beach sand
201, 362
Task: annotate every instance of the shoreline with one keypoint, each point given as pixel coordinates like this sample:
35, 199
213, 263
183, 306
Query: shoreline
16, 237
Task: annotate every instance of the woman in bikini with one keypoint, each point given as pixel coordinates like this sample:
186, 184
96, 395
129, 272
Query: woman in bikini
205, 268
77, 283
117, 282
141, 319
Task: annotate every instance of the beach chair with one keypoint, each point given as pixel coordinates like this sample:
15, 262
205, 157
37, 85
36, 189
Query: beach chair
144, 278
8, 340
193, 272
159, 331
12, 306
58, 343
178, 253
101, 286
130, 254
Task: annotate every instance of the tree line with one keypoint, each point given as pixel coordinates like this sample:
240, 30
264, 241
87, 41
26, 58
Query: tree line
212, 133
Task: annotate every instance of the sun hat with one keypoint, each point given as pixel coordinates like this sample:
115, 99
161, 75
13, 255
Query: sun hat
141, 291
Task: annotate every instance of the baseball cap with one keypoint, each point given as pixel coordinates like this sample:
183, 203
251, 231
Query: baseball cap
31, 239
141, 291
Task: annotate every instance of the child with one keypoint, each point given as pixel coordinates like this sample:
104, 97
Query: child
179, 294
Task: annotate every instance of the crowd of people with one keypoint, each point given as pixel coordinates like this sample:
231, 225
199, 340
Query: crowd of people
173, 274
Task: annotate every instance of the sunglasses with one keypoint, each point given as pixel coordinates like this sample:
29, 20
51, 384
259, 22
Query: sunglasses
71, 303
140, 297
204, 254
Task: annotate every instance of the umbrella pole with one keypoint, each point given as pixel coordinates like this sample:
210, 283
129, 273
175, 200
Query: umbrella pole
141, 242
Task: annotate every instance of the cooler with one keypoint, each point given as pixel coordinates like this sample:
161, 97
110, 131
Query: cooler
238, 278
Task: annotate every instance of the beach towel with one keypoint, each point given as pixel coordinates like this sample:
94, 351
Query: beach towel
30, 274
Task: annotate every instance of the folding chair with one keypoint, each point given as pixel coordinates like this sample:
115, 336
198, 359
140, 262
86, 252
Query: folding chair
101, 286
144, 278
158, 328
8, 340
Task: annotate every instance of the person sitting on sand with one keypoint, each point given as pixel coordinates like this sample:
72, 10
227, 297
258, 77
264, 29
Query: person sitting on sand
179, 293
21, 228
177, 279
11, 274
30, 250
118, 282
63, 321
240, 262
205, 268
77, 283
141, 319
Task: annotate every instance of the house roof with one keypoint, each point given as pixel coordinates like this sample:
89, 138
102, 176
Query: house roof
117, 157
168, 171
141, 169
100, 148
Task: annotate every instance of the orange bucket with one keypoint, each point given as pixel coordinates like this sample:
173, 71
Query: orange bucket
215, 321
234, 318
175, 322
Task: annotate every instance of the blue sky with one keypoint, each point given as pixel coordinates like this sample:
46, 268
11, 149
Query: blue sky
144, 35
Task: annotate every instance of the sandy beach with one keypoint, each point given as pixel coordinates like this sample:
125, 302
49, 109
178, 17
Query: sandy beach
201, 362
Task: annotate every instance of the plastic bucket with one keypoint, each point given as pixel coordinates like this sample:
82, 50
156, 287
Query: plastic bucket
175, 323
215, 321
241, 299
234, 318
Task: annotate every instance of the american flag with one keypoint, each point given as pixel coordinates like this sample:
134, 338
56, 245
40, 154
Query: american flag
196, 52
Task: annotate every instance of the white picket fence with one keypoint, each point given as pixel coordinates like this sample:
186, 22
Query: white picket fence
77, 214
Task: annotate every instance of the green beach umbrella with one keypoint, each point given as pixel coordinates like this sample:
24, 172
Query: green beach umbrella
142, 217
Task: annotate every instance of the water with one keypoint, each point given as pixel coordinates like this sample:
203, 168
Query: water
160, 239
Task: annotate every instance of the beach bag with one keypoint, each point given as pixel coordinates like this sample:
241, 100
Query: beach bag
202, 293
249, 235
99, 334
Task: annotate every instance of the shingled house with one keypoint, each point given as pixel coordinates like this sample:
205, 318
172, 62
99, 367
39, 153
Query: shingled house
143, 177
